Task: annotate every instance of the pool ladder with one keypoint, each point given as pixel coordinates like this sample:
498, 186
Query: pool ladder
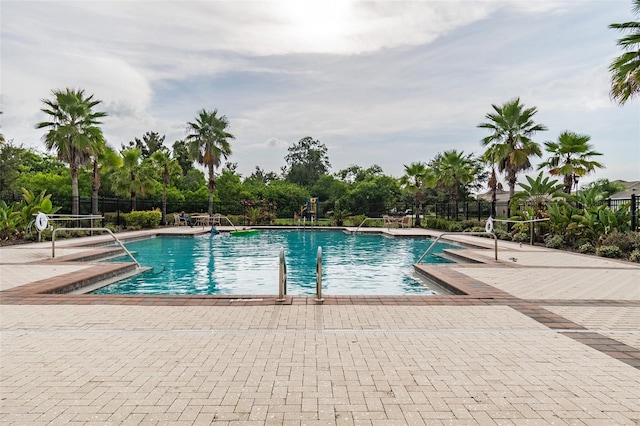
282, 280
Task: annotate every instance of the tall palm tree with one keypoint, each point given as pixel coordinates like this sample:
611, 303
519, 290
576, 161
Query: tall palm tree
453, 169
207, 139
490, 157
416, 176
73, 132
512, 127
166, 167
625, 69
134, 177
571, 158
104, 159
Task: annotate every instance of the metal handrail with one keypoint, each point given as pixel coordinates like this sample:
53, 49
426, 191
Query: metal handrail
532, 221
319, 298
495, 239
366, 219
282, 281
53, 240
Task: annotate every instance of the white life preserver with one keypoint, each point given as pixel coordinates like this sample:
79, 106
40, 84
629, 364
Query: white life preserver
488, 227
41, 222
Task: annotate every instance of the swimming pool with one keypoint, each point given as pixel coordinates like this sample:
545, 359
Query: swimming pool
230, 265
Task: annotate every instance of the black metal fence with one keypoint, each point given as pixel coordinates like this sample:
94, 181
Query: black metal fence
465, 210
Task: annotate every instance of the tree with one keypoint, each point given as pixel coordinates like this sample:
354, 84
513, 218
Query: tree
208, 142
571, 158
165, 168
416, 176
306, 162
134, 177
625, 69
104, 159
181, 155
150, 143
453, 169
512, 127
490, 157
73, 132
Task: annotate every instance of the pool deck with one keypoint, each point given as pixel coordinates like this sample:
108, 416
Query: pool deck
539, 336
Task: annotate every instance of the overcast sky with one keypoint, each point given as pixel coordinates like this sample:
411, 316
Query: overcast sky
386, 83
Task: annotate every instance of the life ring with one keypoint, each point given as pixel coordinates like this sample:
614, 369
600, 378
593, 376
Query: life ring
488, 227
41, 222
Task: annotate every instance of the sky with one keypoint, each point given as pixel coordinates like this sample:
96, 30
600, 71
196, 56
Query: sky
382, 83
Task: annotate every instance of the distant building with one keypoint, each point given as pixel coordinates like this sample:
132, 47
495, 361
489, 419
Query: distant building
632, 187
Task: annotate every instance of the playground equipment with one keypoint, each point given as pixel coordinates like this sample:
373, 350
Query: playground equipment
310, 210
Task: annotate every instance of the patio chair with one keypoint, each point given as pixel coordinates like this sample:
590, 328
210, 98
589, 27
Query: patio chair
405, 222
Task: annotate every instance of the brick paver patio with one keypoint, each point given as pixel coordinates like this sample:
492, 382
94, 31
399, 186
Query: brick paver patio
553, 338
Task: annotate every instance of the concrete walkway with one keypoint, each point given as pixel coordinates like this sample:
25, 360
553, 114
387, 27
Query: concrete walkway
550, 338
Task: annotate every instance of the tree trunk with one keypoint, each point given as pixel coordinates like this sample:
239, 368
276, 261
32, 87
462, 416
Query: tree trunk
95, 186
133, 201
212, 188
75, 200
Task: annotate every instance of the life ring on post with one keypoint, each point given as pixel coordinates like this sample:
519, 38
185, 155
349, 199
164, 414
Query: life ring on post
41, 222
488, 227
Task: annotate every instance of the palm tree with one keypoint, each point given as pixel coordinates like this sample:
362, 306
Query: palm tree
490, 157
416, 176
512, 127
453, 169
73, 132
625, 69
208, 142
571, 158
134, 177
104, 159
166, 167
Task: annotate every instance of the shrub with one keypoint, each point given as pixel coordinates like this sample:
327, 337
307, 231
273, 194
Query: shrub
143, 219
554, 241
613, 252
586, 248
521, 237
454, 227
502, 234
626, 241
635, 256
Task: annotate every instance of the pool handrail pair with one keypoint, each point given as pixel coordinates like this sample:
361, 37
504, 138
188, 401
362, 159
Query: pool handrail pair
282, 281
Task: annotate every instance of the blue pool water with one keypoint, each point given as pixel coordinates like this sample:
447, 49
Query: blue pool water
248, 265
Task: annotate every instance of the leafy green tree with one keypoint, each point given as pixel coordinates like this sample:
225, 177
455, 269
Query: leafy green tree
73, 132
134, 177
512, 127
208, 141
165, 166
374, 193
416, 177
625, 69
355, 173
570, 158
287, 196
306, 162
151, 142
229, 192
180, 150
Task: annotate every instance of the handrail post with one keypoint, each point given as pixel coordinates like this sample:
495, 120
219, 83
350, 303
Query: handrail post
319, 298
282, 281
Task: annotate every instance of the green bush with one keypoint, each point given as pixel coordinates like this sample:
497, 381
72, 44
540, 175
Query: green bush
520, 237
143, 219
455, 227
502, 234
626, 241
613, 252
635, 256
586, 248
554, 241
